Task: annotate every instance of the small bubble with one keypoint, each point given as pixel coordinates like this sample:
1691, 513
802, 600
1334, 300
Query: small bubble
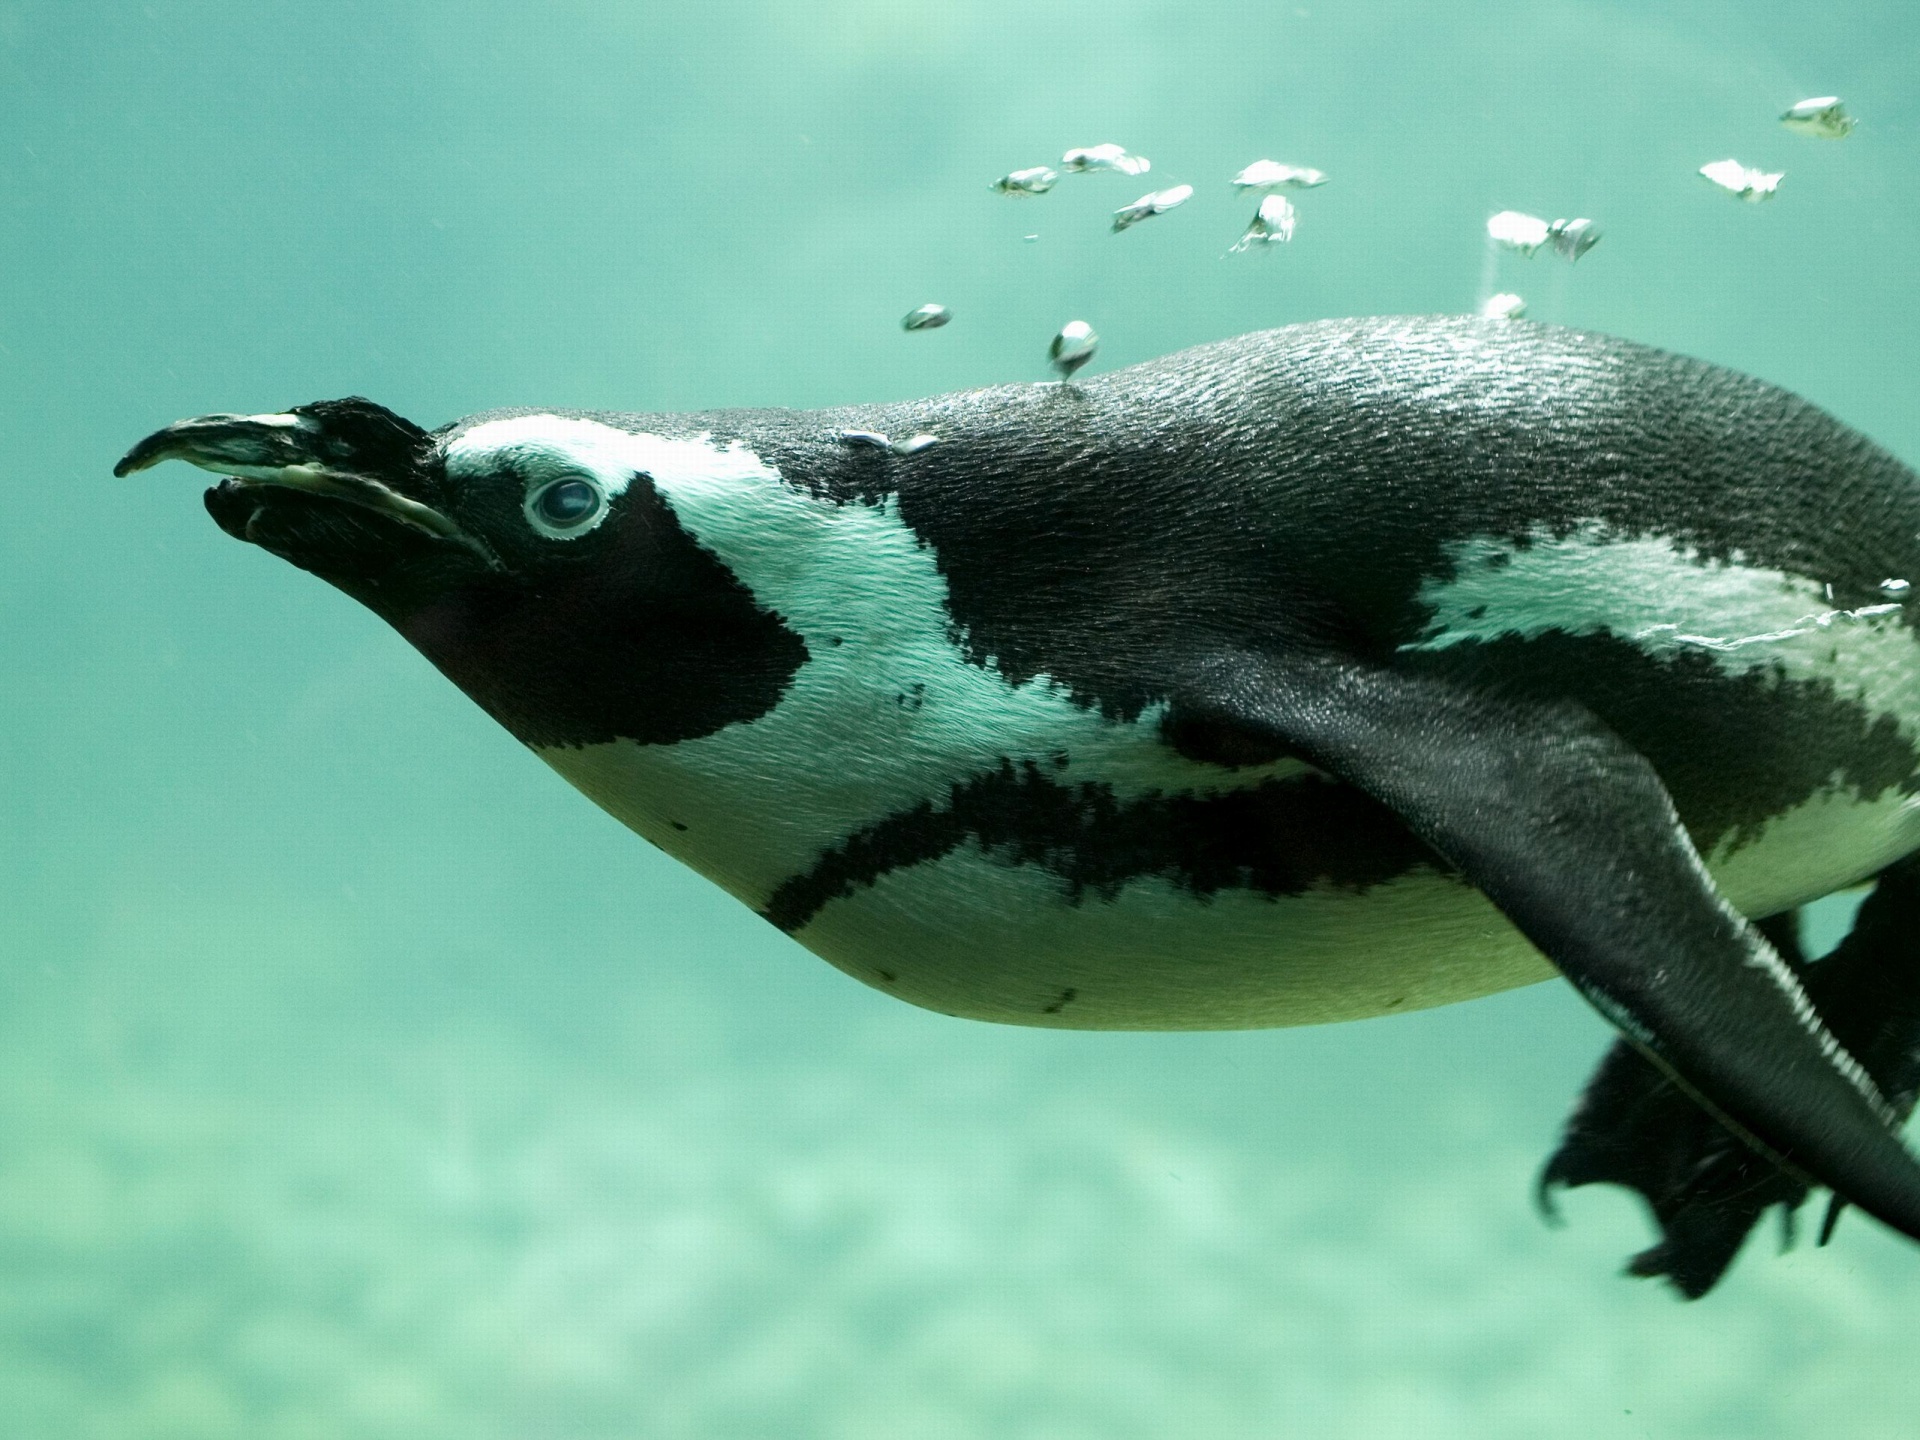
1154, 202
1744, 181
1518, 231
1272, 224
1072, 348
1112, 158
1272, 175
1035, 181
1823, 116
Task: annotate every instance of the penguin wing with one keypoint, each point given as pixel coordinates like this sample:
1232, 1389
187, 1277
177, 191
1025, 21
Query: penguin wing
1571, 833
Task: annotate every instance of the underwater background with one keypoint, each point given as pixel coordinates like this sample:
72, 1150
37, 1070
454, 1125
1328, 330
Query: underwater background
359, 1079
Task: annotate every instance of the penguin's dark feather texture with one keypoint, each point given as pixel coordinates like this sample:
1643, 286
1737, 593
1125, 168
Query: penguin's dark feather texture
364, 438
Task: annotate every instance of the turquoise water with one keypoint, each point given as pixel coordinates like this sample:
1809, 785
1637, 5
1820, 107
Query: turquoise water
358, 1079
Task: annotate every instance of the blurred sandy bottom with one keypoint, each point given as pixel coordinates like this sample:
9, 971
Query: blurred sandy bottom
473, 1237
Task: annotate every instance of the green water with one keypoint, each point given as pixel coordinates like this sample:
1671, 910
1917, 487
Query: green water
358, 1079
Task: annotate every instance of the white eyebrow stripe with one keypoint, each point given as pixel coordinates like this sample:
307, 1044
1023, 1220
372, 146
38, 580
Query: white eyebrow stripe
540, 447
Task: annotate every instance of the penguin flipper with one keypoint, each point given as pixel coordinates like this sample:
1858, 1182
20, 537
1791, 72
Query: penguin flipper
1570, 832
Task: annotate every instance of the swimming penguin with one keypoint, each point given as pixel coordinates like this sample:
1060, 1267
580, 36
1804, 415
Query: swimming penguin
1327, 672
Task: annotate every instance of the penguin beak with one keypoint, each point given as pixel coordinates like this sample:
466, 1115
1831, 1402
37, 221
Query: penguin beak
278, 450
250, 446
300, 451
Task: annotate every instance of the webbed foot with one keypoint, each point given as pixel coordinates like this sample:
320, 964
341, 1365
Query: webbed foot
1707, 1189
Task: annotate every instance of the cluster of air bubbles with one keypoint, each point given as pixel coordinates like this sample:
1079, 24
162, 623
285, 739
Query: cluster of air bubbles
1273, 222
1513, 230
1824, 117
1276, 218
1523, 234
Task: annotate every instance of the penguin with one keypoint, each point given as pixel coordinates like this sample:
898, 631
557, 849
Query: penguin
1331, 671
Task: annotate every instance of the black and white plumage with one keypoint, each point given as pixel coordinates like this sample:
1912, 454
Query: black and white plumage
1325, 672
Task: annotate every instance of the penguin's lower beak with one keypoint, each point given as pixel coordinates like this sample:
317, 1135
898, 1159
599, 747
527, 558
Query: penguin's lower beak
287, 450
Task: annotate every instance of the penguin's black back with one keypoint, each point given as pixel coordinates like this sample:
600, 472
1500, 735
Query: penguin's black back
1311, 486
1305, 483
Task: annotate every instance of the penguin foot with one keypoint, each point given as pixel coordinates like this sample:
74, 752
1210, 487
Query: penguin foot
1707, 1189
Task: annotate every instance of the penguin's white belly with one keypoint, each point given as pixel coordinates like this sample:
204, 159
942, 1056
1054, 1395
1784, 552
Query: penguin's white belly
968, 935
975, 932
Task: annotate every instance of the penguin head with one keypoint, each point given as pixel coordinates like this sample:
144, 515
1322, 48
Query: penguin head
530, 556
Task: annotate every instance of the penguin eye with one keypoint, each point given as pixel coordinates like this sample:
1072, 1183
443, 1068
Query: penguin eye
566, 507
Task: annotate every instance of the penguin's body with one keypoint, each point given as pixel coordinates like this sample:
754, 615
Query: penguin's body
967, 794
1321, 673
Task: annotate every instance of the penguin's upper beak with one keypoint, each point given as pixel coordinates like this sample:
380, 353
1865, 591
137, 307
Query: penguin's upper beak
349, 451
278, 450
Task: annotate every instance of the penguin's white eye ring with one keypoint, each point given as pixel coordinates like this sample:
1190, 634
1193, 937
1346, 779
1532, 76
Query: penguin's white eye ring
564, 508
